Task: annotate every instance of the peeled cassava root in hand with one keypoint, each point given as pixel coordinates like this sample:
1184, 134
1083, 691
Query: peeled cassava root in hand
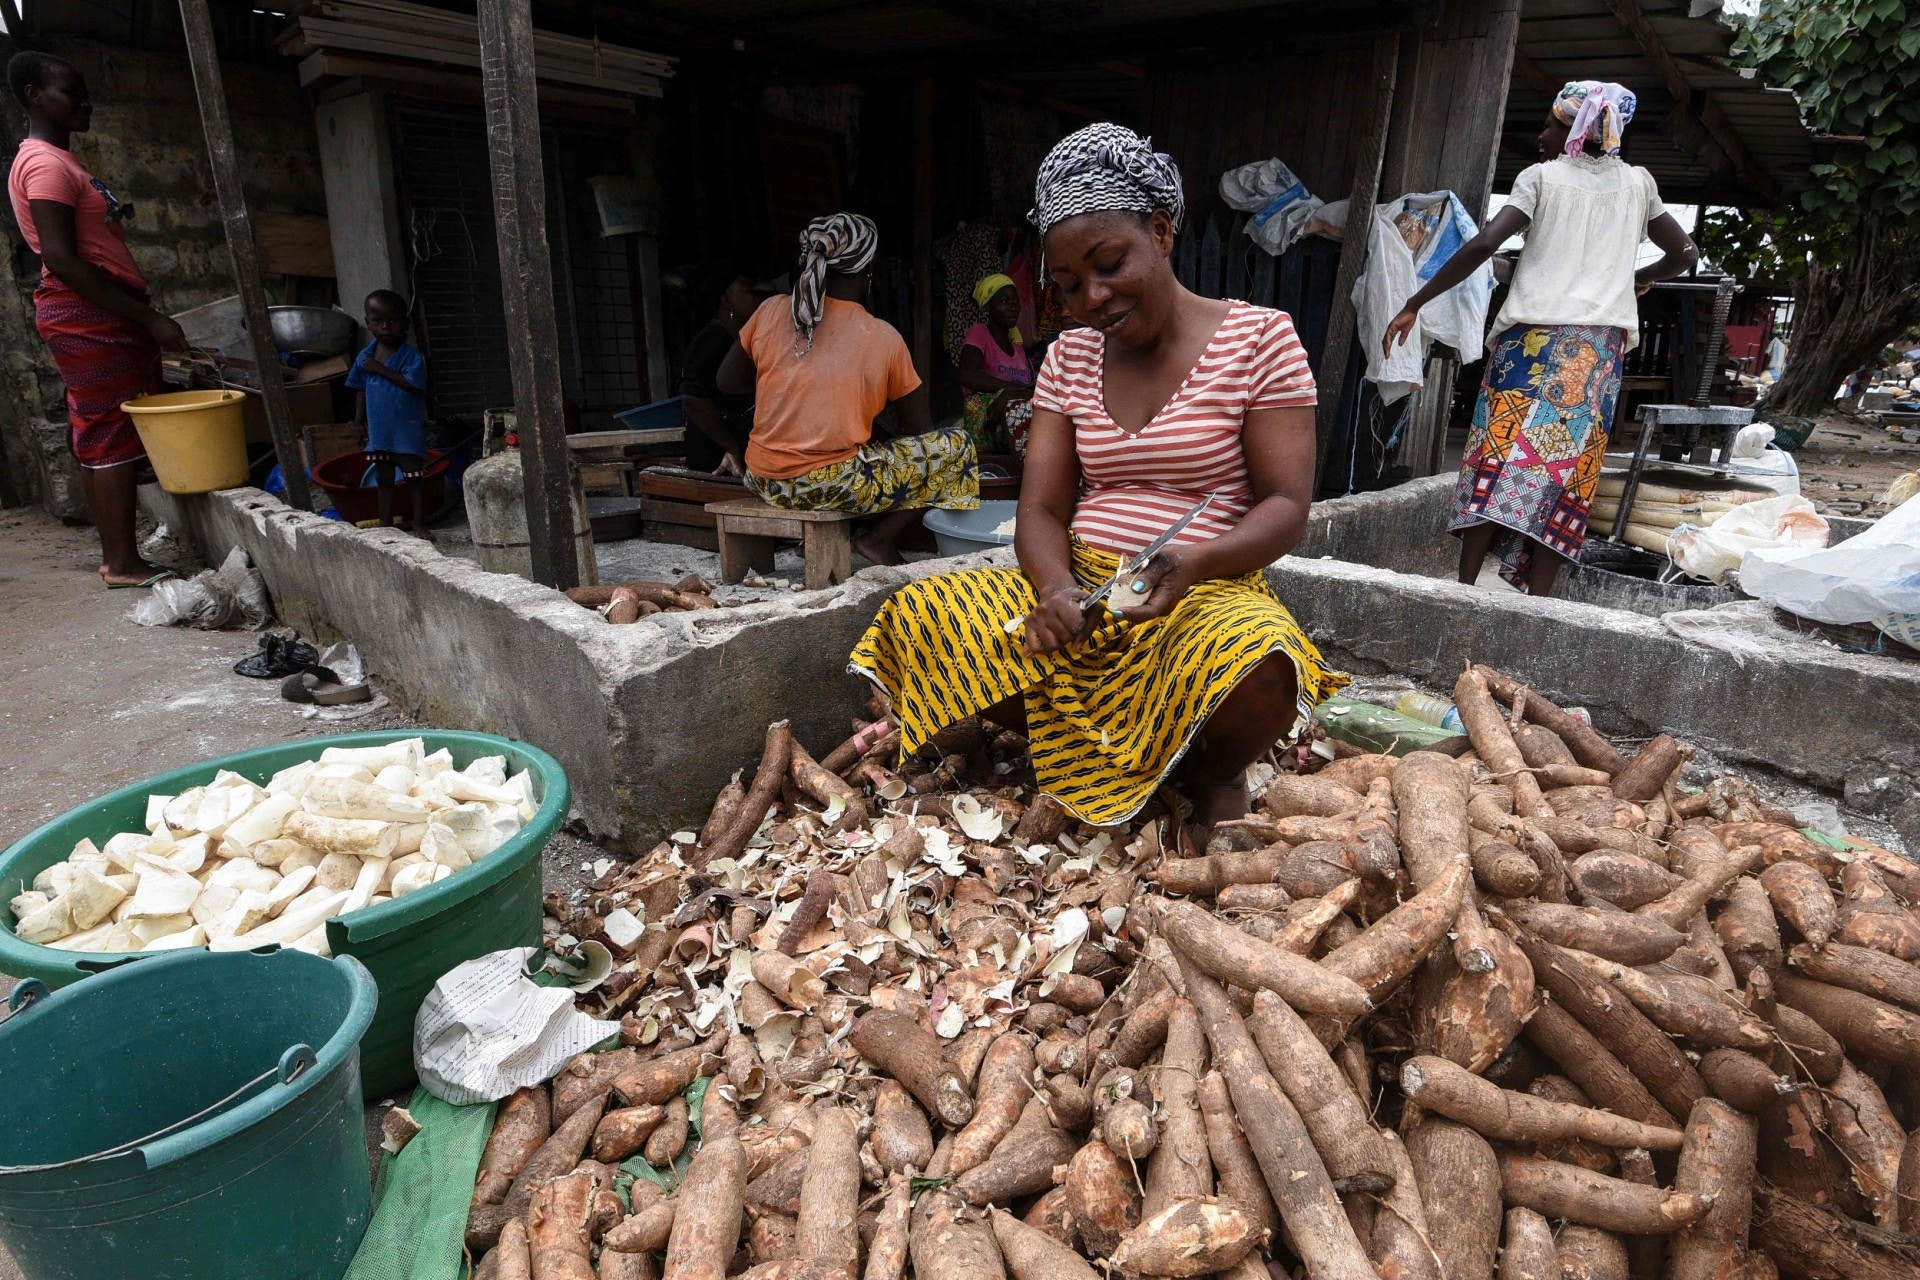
1536, 1010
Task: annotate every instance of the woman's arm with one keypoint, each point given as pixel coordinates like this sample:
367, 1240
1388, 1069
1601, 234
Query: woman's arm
59, 250
704, 414
1279, 445
911, 413
1675, 244
974, 375
736, 374
1503, 226
1049, 490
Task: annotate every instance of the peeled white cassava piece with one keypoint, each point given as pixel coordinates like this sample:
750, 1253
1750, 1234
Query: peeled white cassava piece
233, 864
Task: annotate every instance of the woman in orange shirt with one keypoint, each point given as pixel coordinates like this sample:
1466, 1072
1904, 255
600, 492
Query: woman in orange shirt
91, 306
822, 368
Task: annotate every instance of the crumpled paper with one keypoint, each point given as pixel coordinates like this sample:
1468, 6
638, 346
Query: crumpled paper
486, 1029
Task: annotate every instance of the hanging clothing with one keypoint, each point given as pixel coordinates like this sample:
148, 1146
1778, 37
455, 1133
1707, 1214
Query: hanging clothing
1588, 215
1107, 720
937, 469
1408, 240
1538, 439
105, 360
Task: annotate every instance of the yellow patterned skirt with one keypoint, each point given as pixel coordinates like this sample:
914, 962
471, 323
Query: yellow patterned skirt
1106, 721
908, 473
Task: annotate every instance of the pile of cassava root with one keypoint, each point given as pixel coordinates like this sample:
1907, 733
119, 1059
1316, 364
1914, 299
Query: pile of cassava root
620, 602
1532, 1010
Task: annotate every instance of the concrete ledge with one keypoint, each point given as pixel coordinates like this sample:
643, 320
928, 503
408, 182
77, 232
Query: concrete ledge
649, 719
1804, 709
1403, 528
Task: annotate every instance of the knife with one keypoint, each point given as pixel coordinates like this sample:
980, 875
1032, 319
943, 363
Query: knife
1140, 561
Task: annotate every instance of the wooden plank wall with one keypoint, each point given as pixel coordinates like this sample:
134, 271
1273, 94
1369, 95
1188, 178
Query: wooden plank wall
1216, 114
1451, 101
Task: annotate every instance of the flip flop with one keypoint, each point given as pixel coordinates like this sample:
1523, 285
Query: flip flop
322, 687
161, 576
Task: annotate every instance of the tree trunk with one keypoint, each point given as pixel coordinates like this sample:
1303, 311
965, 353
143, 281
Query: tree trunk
1845, 314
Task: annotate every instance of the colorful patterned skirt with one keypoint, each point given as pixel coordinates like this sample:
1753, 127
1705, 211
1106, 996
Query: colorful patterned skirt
1106, 721
105, 360
938, 469
1538, 439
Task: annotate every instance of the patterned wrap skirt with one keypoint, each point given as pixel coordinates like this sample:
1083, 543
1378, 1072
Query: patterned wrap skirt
1538, 439
937, 469
1108, 720
105, 361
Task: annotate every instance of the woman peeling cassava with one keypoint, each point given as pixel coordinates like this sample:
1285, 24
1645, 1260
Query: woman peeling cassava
1164, 399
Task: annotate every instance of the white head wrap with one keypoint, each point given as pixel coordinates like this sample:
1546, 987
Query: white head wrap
1102, 168
844, 242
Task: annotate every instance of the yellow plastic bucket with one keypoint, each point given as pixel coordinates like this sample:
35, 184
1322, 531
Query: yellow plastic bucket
196, 440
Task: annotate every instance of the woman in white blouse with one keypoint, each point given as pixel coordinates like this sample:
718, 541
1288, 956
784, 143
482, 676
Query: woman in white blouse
1540, 427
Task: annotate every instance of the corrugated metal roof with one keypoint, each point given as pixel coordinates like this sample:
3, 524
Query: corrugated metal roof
1563, 40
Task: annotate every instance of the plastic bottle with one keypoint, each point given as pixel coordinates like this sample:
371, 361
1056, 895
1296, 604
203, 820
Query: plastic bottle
1431, 709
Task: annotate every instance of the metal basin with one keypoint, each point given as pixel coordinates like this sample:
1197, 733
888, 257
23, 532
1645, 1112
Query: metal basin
312, 331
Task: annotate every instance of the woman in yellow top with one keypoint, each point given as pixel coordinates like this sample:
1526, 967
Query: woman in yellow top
821, 369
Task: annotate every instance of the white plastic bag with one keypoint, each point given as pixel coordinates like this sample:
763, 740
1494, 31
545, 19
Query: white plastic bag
234, 595
1714, 552
1279, 202
1394, 272
1872, 578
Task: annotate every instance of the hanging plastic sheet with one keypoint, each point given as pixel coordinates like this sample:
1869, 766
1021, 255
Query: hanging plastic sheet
1280, 203
1408, 240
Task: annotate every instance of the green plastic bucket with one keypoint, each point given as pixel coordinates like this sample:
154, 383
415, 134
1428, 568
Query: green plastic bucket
193, 1117
407, 944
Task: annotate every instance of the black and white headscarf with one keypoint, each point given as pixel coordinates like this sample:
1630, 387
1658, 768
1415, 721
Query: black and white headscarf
1105, 167
844, 242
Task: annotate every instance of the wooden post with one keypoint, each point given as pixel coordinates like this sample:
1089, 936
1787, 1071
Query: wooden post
1361, 198
526, 284
224, 159
923, 226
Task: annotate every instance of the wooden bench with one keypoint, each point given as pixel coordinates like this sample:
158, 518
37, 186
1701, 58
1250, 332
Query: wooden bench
748, 531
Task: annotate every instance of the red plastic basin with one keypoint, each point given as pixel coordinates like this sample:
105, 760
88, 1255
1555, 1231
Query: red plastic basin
355, 502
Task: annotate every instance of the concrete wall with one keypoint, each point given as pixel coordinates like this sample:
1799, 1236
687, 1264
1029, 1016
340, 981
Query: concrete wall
1838, 720
1403, 528
147, 146
650, 719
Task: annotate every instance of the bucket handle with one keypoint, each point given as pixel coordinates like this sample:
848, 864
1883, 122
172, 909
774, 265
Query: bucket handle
24, 993
293, 1064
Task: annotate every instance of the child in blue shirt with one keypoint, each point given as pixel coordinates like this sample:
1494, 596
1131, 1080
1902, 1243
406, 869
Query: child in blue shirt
391, 379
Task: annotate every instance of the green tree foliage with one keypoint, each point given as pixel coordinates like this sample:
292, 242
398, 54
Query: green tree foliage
1855, 65
1849, 234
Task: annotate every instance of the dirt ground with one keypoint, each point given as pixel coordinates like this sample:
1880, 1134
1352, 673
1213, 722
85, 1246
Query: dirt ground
1847, 464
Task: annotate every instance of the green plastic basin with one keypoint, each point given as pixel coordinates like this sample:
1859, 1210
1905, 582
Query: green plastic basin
112, 1078
407, 944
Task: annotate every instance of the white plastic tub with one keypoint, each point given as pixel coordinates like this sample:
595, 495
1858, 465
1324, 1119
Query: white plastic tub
961, 533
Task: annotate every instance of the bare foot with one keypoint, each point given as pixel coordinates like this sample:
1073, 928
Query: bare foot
878, 550
1221, 802
131, 577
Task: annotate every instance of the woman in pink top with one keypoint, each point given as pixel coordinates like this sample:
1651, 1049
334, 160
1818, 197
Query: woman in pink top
91, 306
1164, 400
996, 370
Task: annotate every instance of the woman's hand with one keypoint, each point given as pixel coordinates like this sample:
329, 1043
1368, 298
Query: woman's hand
1057, 622
166, 331
1397, 330
1166, 578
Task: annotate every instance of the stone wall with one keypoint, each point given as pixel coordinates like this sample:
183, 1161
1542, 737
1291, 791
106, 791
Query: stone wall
147, 146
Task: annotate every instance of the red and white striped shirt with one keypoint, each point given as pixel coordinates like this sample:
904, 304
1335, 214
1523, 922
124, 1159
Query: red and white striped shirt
1132, 486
